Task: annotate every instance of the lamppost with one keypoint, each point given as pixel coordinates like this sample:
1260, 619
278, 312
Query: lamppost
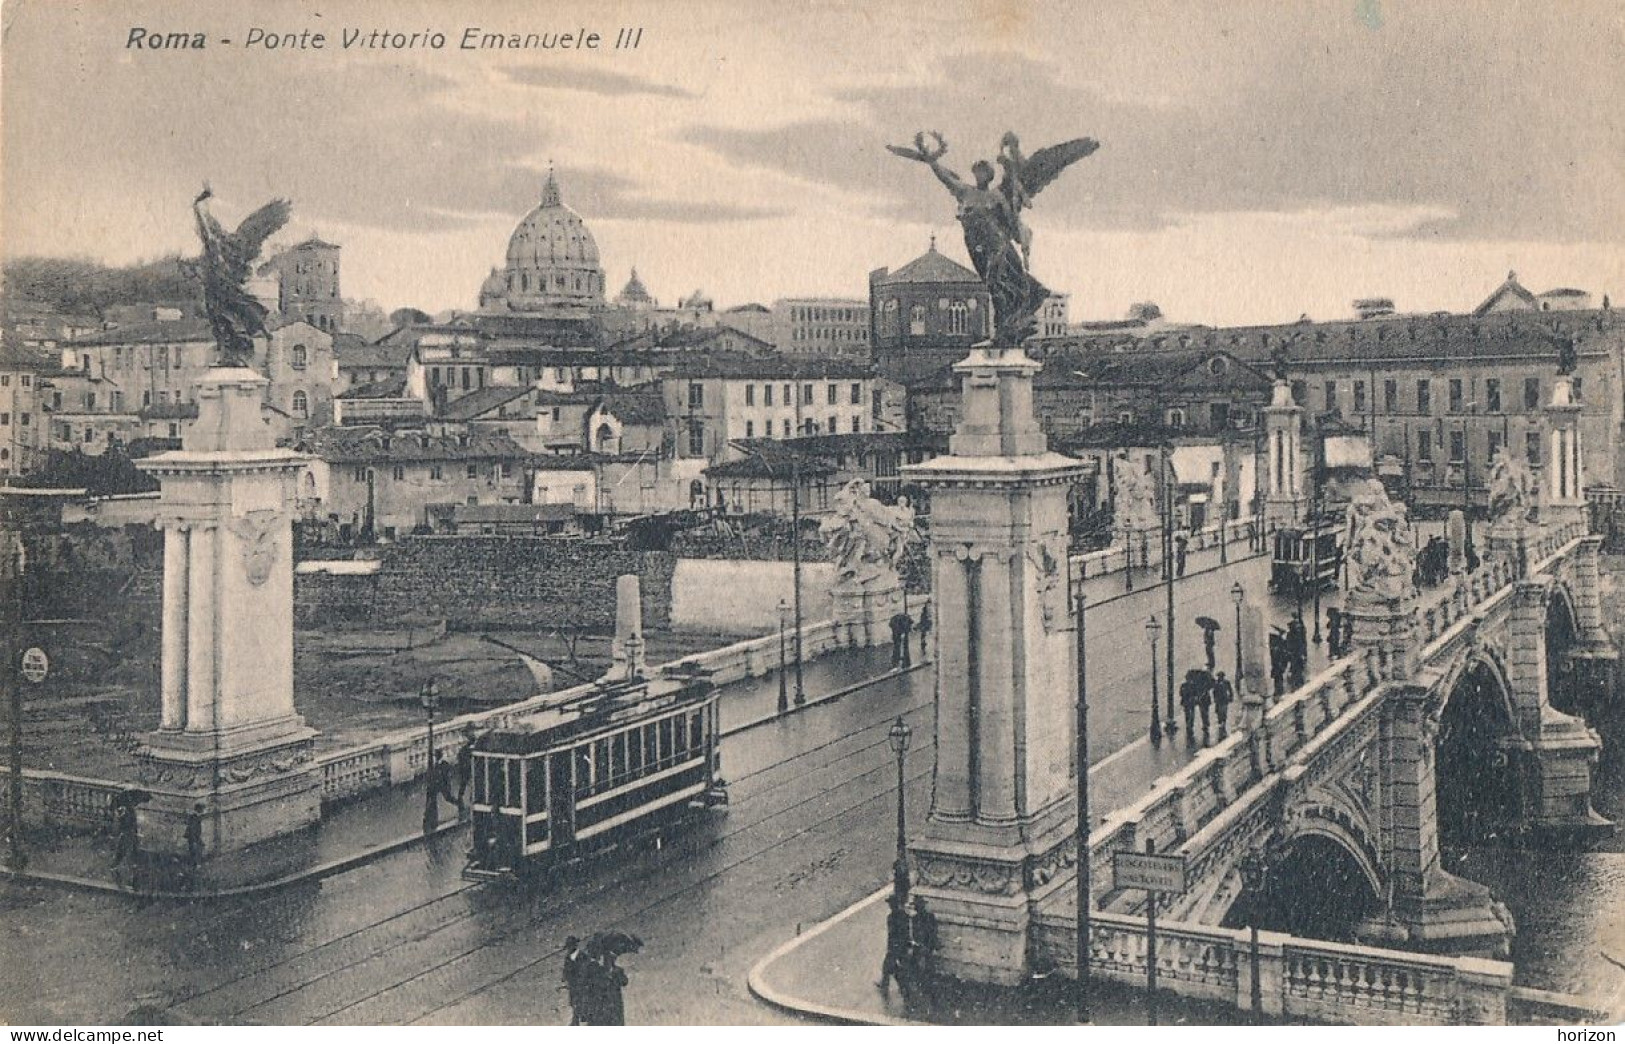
1152, 630
11, 646
1238, 596
1085, 887
429, 696
784, 679
795, 552
1168, 490
898, 736
1254, 875
1314, 522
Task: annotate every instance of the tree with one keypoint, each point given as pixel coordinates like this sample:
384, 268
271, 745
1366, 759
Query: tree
1145, 311
407, 317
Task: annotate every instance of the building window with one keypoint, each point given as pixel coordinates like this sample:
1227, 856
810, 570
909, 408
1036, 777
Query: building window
5, 420
958, 318
857, 394
300, 356
1531, 447
1176, 418
435, 474
1495, 445
1424, 447
1458, 447
1331, 396
1300, 393
174, 430
1531, 393
750, 395
832, 395
806, 395
831, 427
696, 438
1359, 396
916, 321
361, 474
750, 429
767, 395
301, 404
399, 473
787, 400
1455, 395
1492, 394
1578, 384
473, 471
1390, 396
1424, 397
696, 395
857, 424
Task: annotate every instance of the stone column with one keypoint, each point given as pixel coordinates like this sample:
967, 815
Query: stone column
1565, 479
1285, 502
174, 656
1001, 833
230, 738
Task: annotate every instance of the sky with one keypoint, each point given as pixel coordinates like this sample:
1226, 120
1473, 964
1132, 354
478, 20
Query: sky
1259, 160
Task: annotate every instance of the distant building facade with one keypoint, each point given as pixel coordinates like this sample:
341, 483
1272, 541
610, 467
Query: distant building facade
926, 315
828, 326
307, 284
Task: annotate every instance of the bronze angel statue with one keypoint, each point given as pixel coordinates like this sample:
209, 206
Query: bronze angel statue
999, 241
227, 262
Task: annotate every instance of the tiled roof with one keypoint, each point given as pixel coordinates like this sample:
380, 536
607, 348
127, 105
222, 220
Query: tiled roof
478, 403
168, 411
371, 445
930, 267
636, 407
733, 364
389, 388
475, 513
174, 331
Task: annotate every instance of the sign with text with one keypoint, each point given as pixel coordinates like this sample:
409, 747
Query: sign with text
1154, 873
36, 665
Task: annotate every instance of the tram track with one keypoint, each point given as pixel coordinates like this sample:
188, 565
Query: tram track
642, 869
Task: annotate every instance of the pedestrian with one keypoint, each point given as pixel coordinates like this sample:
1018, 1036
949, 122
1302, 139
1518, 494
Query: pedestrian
1297, 646
1204, 701
1346, 642
592, 991
126, 843
194, 836
926, 939
898, 943
612, 999
1278, 658
1181, 547
925, 627
1334, 632
574, 959
1187, 702
900, 627
1209, 636
1223, 694
465, 770
440, 780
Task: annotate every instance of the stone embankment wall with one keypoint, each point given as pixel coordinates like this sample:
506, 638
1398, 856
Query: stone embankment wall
491, 581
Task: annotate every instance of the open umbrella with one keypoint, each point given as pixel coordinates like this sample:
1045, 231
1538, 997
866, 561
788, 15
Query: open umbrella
617, 943
1207, 623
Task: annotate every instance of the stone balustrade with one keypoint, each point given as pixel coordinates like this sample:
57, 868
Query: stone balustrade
57, 799
1115, 559
1299, 979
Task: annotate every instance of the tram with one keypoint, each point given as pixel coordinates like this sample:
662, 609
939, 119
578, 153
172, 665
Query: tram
1308, 556
579, 774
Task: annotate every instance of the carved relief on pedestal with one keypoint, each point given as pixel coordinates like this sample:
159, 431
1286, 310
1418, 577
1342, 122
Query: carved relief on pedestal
1048, 571
940, 871
258, 531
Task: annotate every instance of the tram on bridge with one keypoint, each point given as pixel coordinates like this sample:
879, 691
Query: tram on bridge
1308, 556
578, 775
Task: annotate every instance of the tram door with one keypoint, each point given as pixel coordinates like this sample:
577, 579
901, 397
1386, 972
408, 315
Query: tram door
561, 792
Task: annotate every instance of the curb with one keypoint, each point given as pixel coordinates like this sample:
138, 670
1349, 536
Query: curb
756, 980
315, 873
829, 698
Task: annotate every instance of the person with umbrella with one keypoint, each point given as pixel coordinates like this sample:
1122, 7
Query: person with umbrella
1210, 631
574, 963
603, 980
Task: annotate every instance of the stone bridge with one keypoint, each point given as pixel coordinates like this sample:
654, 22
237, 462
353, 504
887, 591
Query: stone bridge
1455, 717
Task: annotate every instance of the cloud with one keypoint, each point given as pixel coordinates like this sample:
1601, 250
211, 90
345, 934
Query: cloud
591, 81
608, 196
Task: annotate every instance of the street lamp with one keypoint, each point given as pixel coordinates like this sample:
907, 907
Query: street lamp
898, 736
1152, 630
1254, 875
784, 679
1169, 489
795, 550
429, 696
1238, 596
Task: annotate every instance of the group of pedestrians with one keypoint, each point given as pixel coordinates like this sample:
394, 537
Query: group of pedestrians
594, 983
911, 938
444, 776
1204, 691
902, 625
1289, 655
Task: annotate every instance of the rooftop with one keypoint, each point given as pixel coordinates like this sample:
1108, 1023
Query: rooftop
364, 445
478, 403
172, 331
929, 267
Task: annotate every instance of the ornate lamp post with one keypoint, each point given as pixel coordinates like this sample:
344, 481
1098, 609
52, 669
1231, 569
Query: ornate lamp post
1238, 596
1254, 876
1153, 629
784, 680
1169, 489
898, 736
429, 696
795, 550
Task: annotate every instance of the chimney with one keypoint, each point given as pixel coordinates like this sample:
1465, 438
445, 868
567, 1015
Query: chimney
627, 650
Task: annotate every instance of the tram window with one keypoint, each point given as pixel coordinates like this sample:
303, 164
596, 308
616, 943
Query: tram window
600, 764
634, 749
536, 786
499, 777
483, 766
514, 790
679, 735
665, 739
617, 756
583, 771
696, 729
651, 750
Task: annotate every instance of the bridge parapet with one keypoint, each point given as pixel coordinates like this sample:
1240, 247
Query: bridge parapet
1299, 978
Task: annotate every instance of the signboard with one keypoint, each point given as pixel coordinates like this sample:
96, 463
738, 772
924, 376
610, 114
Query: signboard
36, 665
1154, 873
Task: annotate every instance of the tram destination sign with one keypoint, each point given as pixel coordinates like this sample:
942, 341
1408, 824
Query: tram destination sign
1153, 873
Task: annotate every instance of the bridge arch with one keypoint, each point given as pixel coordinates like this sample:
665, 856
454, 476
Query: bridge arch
1562, 635
1322, 882
1476, 779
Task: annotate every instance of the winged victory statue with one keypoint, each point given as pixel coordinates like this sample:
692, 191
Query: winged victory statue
227, 262
999, 241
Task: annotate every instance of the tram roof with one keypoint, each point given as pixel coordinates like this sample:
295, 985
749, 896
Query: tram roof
604, 708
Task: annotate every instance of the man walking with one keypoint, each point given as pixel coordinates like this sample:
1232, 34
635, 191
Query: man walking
900, 627
1187, 703
1181, 547
465, 770
1334, 631
925, 627
1223, 694
1278, 658
571, 977
194, 837
1204, 701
